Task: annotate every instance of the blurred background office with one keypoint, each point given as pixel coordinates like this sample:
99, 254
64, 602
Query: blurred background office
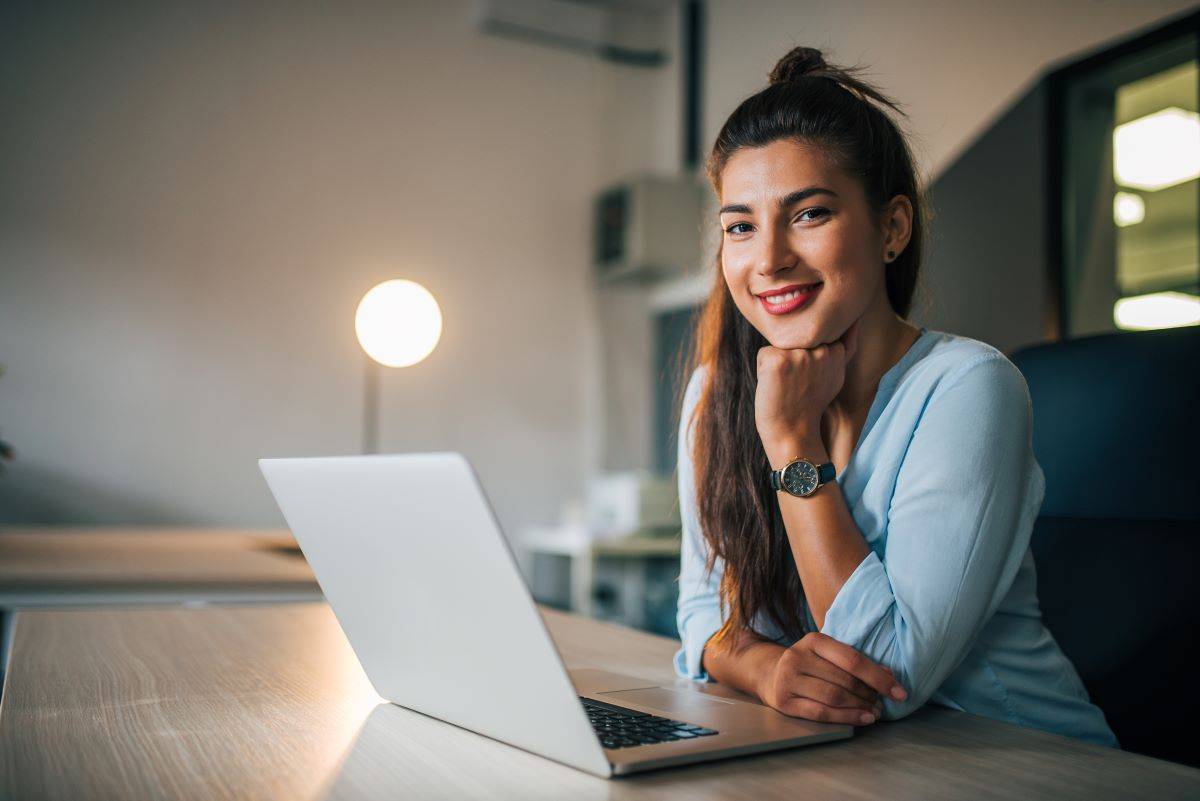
196, 197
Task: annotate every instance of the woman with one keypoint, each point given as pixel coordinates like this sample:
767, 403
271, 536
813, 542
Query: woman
906, 575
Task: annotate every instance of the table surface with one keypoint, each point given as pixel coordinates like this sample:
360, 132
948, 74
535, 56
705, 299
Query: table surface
54, 566
269, 702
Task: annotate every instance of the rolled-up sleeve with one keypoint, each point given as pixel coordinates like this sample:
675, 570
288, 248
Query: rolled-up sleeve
699, 612
966, 496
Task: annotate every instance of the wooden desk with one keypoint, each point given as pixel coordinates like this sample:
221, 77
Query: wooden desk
268, 702
71, 566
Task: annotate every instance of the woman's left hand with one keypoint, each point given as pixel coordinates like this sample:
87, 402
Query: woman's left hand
796, 386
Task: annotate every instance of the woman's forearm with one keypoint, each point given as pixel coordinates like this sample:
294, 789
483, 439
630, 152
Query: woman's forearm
744, 665
826, 543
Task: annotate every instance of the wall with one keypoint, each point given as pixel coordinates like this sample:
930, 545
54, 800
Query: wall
195, 195
643, 133
987, 270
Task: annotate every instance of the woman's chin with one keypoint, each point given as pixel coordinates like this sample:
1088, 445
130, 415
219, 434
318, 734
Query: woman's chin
793, 338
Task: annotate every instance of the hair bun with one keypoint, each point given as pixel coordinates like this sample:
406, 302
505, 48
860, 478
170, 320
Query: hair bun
798, 62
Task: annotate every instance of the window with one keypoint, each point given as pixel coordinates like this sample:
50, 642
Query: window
1129, 149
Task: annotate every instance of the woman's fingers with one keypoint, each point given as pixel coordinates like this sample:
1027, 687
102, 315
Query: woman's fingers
801, 707
815, 665
827, 693
853, 662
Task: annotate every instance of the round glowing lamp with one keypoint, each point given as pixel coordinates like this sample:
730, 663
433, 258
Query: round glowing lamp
398, 323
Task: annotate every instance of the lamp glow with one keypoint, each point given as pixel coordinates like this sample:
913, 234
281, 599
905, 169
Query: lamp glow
1157, 310
1159, 150
1128, 209
398, 323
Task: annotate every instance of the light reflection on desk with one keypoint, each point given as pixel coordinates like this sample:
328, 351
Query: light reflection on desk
400, 753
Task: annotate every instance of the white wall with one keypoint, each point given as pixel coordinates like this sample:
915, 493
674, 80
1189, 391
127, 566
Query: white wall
642, 119
195, 196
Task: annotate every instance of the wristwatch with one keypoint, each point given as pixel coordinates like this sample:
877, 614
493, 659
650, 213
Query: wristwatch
801, 477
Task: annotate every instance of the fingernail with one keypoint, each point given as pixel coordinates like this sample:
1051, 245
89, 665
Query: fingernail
867, 717
898, 693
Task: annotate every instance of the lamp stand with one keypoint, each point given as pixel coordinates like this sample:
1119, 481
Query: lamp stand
370, 405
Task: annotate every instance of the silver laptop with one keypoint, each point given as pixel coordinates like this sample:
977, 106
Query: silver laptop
413, 562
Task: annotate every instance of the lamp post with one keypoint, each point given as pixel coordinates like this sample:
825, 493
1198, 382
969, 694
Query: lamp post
398, 323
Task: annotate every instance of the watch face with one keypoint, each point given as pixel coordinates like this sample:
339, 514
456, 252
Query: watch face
800, 478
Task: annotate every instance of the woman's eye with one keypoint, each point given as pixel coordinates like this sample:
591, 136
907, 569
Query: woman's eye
817, 211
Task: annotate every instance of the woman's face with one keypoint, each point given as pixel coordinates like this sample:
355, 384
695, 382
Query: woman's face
790, 219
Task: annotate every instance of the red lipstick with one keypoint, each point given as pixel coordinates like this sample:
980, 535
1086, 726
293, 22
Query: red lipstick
803, 294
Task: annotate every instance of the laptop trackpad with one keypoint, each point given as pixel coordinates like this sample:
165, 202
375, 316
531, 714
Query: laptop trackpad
675, 702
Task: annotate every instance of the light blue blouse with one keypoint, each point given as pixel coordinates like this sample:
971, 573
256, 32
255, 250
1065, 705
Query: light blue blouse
944, 486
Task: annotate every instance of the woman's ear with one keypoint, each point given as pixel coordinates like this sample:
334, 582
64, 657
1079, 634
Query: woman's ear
897, 226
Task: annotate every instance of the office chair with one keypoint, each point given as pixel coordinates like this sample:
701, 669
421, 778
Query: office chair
1117, 542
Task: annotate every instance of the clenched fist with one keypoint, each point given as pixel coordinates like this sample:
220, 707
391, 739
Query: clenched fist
796, 386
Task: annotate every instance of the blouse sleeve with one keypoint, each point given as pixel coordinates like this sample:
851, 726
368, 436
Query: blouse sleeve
698, 613
966, 496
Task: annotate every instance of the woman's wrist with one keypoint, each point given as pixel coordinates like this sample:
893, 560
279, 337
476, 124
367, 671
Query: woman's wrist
746, 666
762, 666
804, 446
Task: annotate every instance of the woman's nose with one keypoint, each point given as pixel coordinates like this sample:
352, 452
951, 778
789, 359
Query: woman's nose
774, 252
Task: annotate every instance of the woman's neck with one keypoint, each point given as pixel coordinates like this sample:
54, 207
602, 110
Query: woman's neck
883, 339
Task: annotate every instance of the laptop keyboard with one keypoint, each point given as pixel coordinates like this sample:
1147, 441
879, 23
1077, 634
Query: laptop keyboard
618, 727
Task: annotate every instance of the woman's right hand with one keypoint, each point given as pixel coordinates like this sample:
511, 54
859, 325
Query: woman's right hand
819, 678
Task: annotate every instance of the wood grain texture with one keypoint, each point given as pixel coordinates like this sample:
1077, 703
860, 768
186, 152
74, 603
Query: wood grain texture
80, 563
268, 702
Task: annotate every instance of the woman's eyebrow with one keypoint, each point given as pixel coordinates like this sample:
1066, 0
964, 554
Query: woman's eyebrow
784, 202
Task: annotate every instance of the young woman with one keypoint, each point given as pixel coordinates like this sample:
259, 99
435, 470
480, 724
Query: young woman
888, 563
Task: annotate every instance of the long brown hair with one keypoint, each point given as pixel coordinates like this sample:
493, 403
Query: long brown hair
829, 108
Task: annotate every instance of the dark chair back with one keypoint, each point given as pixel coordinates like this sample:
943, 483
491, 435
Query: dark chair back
1116, 429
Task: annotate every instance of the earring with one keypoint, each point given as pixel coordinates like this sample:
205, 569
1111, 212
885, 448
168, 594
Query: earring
891, 255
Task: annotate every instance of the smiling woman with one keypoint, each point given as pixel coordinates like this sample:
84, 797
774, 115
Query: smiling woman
857, 492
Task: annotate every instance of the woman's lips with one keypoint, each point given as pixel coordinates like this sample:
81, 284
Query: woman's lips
798, 300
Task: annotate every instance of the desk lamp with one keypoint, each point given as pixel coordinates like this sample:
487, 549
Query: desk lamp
398, 324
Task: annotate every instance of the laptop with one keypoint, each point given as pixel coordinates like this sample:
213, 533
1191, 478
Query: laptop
413, 562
